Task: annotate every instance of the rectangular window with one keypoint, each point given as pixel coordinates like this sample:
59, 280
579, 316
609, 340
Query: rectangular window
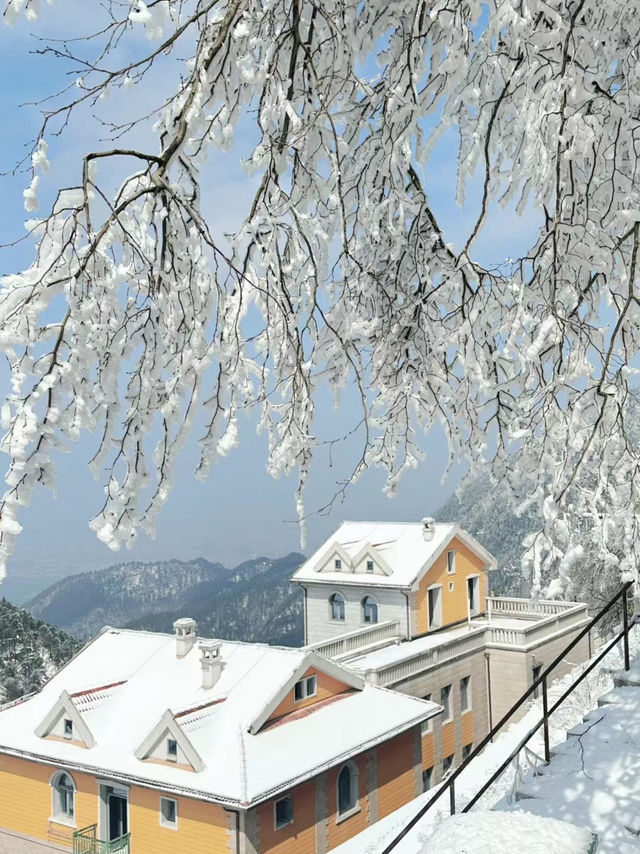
451, 587
451, 562
369, 566
535, 675
305, 688
465, 694
168, 812
426, 779
445, 702
68, 728
337, 564
466, 751
283, 812
172, 748
447, 765
426, 725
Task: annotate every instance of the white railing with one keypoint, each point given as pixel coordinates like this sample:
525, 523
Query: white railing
353, 641
390, 674
536, 632
506, 606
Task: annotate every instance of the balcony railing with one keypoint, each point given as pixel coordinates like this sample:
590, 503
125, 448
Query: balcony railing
559, 619
506, 606
356, 641
85, 841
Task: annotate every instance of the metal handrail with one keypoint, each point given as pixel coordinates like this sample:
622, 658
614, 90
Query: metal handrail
449, 783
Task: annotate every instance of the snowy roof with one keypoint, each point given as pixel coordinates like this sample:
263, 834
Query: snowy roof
400, 548
123, 683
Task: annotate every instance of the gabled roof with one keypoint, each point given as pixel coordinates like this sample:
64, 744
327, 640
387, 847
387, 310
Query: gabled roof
167, 727
64, 707
399, 547
146, 691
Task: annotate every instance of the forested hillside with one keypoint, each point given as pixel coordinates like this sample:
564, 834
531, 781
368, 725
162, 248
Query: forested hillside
253, 601
30, 651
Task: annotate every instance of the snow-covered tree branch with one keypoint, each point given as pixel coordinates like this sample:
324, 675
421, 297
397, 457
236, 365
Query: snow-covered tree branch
132, 303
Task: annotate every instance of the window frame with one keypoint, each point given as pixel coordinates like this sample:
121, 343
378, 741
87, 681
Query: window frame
67, 728
284, 824
354, 784
370, 565
337, 597
57, 816
372, 603
428, 774
465, 694
170, 825
172, 754
451, 563
305, 692
447, 711
337, 564
450, 760
468, 748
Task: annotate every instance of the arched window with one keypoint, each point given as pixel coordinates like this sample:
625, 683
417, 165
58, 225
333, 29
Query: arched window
369, 610
336, 603
63, 797
347, 788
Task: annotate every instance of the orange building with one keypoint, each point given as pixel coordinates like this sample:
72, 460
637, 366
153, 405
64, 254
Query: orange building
407, 606
151, 744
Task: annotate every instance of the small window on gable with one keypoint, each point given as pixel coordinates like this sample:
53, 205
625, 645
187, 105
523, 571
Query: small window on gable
172, 749
451, 562
369, 566
283, 810
305, 688
169, 813
337, 564
68, 728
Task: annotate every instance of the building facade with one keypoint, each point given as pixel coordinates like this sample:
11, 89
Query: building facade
149, 744
408, 607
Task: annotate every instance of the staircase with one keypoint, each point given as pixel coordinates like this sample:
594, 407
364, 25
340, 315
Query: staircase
593, 778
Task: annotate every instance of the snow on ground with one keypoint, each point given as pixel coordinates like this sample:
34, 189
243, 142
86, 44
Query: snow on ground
584, 699
485, 832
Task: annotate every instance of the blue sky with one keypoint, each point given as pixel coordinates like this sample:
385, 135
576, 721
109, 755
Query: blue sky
240, 512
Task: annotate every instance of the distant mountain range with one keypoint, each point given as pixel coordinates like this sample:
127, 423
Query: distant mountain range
252, 602
30, 651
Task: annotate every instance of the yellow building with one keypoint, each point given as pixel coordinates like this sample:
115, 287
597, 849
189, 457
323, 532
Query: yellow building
153, 744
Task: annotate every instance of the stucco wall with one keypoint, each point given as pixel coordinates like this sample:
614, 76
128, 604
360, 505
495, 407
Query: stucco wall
392, 605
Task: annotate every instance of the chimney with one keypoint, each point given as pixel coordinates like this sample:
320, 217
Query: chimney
185, 629
428, 528
210, 662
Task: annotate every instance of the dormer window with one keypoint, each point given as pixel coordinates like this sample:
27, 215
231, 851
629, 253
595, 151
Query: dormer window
337, 565
172, 749
451, 562
68, 728
369, 566
305, 688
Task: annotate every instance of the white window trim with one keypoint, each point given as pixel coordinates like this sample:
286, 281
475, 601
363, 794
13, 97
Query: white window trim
277, 826
451, 552
344, 607
451, 587
478, 609
163, 822
172, 757
355, 782
67, 735
364, 622
65, 821
441, 624
306, 695
469, 696
427, 726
